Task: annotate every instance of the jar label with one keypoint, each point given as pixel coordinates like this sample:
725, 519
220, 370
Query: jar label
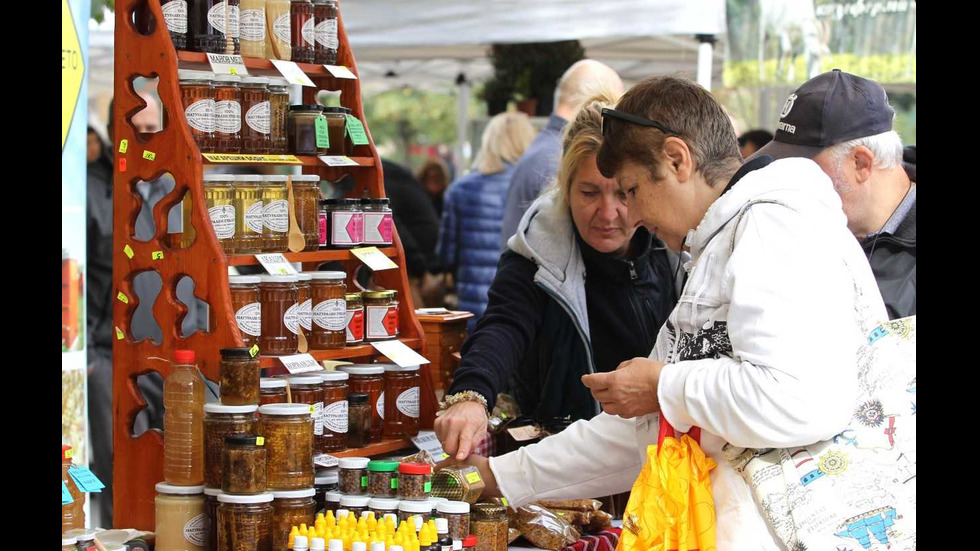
330, 314
196, 530
291, 319
223, 221
323, 229
254, 215
175, 15
252, 25
249, 319
335, 417
377, 228
382, 322
408, 402
318, 419
216, 18
326, 34
257, 117
355, 325
200, 115
228, 116
309, 32
275, 216
306, 314
281, 28
380, 406
344, 228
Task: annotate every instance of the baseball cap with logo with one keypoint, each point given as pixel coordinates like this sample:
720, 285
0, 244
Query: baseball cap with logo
829, 109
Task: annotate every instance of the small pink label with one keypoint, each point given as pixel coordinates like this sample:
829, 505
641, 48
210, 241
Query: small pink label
323, 229
359, 227
378, 228
385, 228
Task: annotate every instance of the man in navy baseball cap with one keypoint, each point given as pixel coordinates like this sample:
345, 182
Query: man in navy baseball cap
844, 123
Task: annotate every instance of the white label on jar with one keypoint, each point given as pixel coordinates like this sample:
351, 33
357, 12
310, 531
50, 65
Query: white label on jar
330, 314
306, 314
408, 402
282, 28
216, 17
309, 32
275, 216
326, 33
196, 530
291, 319
249, 319
381, 405
252, 25
223, 221
335, 417
377, 228
254, 217
228, 116
175, 15
233, 12
343, 228
257, 117
200, 115
376, 318
318, 419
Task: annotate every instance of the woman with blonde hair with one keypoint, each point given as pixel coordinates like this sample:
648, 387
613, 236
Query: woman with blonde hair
547, 324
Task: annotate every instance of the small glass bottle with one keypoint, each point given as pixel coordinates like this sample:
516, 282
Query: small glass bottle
244, 522
302, 30
360, 418
325, 14
227, 114
244, 464
308, 389
383, 478
245, 303
277, 33
248, 214
414, 481
301, 129
490, 525
345, 223
279, 113
204, 35
275, 214
239, 374
256, 116
337, 130
219, 197
380, 315
197, 98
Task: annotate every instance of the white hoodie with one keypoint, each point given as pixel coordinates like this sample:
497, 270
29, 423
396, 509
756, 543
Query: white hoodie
761, 351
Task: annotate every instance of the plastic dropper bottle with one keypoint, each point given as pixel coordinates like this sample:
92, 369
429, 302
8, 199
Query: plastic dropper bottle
317, 544
378, 546
335, 545
300, 543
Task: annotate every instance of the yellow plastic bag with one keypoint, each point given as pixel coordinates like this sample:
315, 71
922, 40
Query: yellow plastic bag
671, 507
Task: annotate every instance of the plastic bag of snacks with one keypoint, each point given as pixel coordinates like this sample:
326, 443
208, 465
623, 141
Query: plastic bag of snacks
572, 504
421, 457
512, 535
544, 528
504, 411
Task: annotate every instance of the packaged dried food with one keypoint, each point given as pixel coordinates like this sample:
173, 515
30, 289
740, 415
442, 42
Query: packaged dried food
221, 421
401, 417
545, 529
244, 522
272, 391
382, 506
421, 457
578, 519
512, 535
458, 482
353, 475
219, 199
572, 504
458, 515
239, 374
244, 464
414, 481
600, 521
355, 504
288, 431
289, 509
211, 510
248, 310
325, 481
383, 478
334, 416
417, 512
181, 521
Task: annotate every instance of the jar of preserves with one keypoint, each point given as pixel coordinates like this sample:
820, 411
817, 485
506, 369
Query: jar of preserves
227, 114
207, 30
197, 98
305, 303
278, 42
382, 506
280, 315
68, 543
383, 478
380, 315
306, 199
251, 31
414, 481
244, 463
275, 214
329, 310
337, 131
175, 16
72, 514
248, 214
291, 508
334, 417
332, 499
369, 379
85, 539
325, 482
359, 418
402, 406
245, 303
302, 30
181, 521
353, 475
355, 318
279, 113
245, 522
490, 524
288, 431
211, 510
272, 391
355, 504
458, 515
307, 389
220, 200
378, 223
221, 421
301, 129
239, 374
256, 116
345, 223
416, 512
325, 14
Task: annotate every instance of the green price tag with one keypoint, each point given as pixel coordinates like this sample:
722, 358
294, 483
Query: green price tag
356, 131
363, 482
428, 487
394, 483
322, 137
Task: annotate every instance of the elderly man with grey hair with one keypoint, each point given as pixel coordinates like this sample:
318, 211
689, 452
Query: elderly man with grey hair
844, 123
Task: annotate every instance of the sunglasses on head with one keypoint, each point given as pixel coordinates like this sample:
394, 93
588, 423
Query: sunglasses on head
612, 113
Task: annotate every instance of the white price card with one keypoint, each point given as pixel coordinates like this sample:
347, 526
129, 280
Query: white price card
300, 363
225, 64
275, 264
374, 258
338, 160
432, 312
340, 71
291, 71
326, 461
427, 441
525, 433
396, 351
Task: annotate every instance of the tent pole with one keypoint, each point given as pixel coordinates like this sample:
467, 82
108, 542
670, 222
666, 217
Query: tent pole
462, 122
705, 58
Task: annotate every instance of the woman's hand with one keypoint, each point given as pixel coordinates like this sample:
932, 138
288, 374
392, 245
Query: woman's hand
483, 464
630, 391
461, 428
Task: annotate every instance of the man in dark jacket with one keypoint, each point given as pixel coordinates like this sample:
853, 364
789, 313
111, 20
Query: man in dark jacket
414, 216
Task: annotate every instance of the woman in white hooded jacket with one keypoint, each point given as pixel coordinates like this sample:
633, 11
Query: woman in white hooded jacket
761, 350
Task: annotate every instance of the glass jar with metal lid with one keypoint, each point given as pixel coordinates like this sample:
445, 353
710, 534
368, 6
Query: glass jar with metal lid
279, 105
227, 114
355, 318
197, 98
305, 303
279, 298
345, 223
380, 315
302, 30
181, 521
221, 421
378, 224
291, 508
301, 129
239, 375
275, 214
256, 116
337, 130
329, 310
306, 199
248, 214
369, 379
334, 417
219, 197
244, 464
272, 391
402, 404
244, 522
325, 14
288, 431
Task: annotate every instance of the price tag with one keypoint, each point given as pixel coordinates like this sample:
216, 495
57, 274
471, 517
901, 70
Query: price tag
427, 441
254, 351
123, 145
224, 64
237, 159
504, 501
322, 136
66, 495
300, 363
427, 487
340, 71
291, 71
326, 461
394, 483
156, 255
373, 258
356, 131
521, 434
151, 156
399, 353
473, 478
259, 441
129, 251
85, 479
119, 334
122, 297
432, 312
338, 160
275, 264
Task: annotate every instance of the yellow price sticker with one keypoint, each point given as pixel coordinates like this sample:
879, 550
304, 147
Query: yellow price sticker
232, 71
312, 409
473, 478
122, 297
156, 255
69, 454
149, 155
259, 441
119, 334
504, 501
129, 251
283, 271
123, 146
254, 351
445, 455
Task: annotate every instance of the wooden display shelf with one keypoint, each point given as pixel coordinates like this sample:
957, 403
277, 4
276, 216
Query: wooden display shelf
312, 256
311, 69
376, 449
359, 351
306, 161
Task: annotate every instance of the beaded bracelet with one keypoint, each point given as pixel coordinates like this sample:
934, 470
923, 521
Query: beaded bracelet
460, 397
